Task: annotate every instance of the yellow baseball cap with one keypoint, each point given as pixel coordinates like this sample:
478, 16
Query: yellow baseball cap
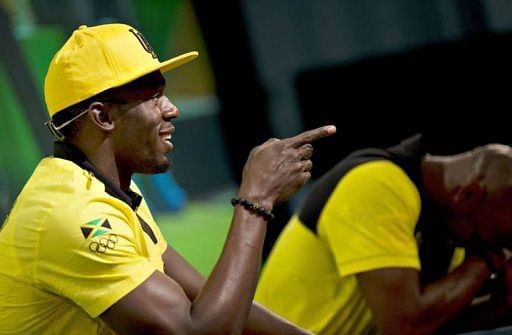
97, 58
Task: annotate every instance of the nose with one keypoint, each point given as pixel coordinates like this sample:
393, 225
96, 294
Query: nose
168, 109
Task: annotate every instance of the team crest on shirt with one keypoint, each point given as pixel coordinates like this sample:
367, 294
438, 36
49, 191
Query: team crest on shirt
99, 232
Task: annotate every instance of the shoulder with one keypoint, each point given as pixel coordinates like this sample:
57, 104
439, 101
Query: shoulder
371, 194
379, 181
369, 220
60, 195
70, 207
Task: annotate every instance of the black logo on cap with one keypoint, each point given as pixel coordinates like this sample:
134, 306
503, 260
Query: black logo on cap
144, 42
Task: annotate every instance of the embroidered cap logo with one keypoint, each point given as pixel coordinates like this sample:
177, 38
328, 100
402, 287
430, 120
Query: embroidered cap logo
144, 42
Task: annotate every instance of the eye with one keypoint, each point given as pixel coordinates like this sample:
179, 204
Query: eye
156, 96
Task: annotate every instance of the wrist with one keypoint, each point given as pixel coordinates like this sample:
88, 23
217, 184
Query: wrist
254, 208
493, 259
258, 197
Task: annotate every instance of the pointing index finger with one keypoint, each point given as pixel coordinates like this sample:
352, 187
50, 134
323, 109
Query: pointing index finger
312, 135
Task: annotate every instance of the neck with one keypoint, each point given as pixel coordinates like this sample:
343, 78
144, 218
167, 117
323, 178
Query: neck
103, 159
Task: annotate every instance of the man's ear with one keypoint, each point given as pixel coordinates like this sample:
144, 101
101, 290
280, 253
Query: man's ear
470, 195
101, 115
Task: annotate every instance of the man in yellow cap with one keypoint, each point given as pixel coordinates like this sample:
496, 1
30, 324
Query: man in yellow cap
80, 252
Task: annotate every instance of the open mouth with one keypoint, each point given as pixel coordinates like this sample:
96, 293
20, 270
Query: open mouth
167, 137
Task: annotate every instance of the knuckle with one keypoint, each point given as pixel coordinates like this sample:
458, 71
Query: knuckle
272, 140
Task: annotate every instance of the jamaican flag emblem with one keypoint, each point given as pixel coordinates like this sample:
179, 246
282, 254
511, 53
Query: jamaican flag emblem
96, 227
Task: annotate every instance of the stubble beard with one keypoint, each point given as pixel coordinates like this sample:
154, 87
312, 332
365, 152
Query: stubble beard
154, 166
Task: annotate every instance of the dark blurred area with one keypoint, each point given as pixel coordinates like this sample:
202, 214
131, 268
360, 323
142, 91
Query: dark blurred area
454, 93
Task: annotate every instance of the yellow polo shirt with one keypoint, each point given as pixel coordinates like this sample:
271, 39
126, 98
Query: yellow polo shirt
367, 223
69, 251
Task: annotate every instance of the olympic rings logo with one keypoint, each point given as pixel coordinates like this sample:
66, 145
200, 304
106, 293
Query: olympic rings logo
104, 243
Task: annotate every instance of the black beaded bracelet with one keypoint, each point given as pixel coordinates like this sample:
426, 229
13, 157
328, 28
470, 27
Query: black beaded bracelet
253, 207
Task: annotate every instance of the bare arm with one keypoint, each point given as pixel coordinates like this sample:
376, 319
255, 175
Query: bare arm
260, 321
274, 171
492, 313
401, 306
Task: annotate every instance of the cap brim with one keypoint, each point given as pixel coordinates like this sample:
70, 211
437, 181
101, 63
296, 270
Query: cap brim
177, 61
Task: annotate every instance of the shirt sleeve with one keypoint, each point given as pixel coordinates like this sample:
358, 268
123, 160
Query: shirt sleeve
93, 254
370, 217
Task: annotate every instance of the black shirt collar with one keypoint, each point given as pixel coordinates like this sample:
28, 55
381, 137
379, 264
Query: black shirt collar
69, 152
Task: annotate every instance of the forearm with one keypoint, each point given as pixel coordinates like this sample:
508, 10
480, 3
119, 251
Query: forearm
224, 301
445, 299
415, 309
493, 313
262, 322
482, 316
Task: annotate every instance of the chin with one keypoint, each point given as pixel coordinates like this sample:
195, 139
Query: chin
161, 167
155, 167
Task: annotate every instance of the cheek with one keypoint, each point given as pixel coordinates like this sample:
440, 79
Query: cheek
495, 226
505, 228
138, 130
141, 129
